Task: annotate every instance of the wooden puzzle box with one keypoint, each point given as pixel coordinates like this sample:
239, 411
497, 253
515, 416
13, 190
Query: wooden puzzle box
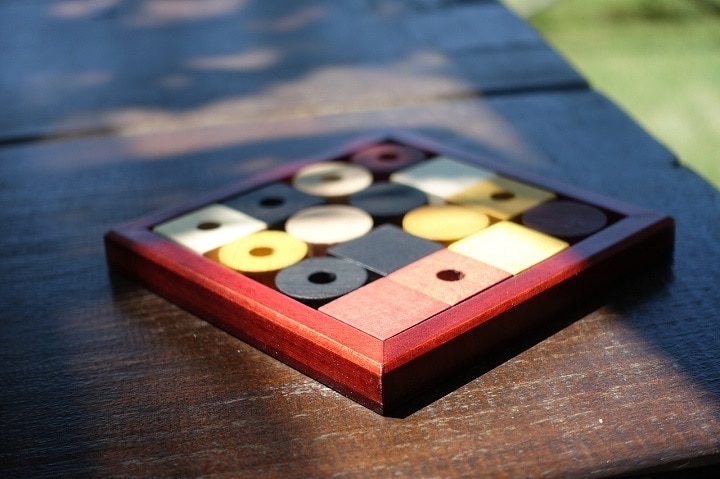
390, 266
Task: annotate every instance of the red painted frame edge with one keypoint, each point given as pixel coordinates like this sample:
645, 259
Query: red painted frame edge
383, 376
425, 355
138, 254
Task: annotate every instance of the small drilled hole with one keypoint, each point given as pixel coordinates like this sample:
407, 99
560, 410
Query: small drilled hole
208, 225
388, 157
330, 177
272, 201
502, 195
322, 277
261, 251
450, 275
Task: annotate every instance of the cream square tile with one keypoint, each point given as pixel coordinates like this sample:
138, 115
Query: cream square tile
509, 246
209, 227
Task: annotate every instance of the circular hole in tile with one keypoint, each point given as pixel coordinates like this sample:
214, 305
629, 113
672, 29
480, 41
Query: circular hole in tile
208, 225
261, 251
450, 275
330, 178
272, 201
322, 277
389, 156
502, 195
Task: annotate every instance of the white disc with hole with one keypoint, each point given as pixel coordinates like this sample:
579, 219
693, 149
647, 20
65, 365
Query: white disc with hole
333, 179
329, 224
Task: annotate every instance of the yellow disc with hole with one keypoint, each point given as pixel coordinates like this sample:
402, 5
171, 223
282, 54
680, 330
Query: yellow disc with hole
262, 252
444, 223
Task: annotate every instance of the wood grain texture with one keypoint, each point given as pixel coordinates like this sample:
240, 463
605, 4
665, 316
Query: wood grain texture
102, 378
436, 341
83, 67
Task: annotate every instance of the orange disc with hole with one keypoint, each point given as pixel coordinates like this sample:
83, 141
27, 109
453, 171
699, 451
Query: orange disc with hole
263, 252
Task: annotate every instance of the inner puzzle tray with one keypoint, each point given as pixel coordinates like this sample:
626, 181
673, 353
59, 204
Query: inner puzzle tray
388, 267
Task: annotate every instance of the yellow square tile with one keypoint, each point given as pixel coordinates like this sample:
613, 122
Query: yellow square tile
501, 197
509, 246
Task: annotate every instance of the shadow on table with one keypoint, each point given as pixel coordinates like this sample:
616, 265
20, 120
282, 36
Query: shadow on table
218, 58
642, 301
111, 66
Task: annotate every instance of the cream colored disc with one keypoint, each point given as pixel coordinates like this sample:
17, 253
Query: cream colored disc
329, 224
332, 179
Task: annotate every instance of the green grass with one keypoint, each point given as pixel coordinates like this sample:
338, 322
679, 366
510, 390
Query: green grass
658, 59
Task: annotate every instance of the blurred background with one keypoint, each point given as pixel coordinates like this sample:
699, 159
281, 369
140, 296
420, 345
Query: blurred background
658, 59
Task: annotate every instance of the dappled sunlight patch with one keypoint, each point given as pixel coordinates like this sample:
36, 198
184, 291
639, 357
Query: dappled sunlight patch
258, 59
147, 13
294, 21
81, 8
159, 12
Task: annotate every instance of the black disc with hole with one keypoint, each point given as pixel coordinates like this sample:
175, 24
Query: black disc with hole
568, 220
388, 201
315, 281
273, 203
387, 158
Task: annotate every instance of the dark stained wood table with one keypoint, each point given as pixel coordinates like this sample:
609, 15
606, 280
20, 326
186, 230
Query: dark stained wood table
113, 110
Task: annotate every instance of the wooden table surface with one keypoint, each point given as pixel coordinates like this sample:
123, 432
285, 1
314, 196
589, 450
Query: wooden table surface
112, 110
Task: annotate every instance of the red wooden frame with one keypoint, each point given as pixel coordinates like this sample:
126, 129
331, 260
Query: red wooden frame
384, 375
